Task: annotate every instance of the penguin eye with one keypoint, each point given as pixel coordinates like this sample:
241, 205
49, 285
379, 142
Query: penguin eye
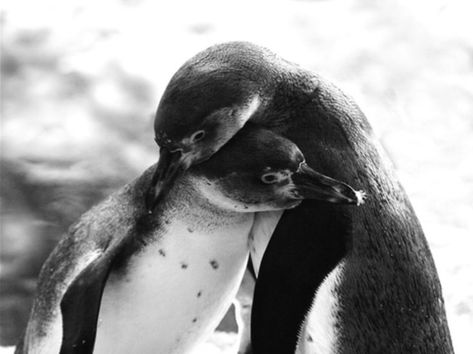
198, 135
270, 178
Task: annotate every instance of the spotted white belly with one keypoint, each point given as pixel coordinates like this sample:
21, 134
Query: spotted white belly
175, 292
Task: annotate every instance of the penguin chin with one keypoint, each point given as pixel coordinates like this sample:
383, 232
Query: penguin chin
273, 205
264, 206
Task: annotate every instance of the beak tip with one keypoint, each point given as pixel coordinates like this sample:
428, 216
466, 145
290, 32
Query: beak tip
360, 197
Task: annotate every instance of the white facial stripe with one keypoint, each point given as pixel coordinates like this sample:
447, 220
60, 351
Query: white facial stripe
248, 110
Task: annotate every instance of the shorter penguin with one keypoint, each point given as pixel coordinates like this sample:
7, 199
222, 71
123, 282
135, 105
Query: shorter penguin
124, 280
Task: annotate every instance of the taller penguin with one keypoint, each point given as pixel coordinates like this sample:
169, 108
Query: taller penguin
366, 274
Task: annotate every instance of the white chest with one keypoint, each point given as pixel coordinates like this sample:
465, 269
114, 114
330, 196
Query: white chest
174, 292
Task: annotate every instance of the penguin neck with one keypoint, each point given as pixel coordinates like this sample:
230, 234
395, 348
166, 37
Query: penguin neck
189, 203
184, 205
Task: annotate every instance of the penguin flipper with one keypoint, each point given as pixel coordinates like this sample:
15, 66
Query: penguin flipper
80, 304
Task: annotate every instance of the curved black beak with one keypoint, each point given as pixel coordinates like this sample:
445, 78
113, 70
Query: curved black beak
313, 185
170, 166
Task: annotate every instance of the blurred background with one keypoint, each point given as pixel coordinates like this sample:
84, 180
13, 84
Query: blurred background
81, 81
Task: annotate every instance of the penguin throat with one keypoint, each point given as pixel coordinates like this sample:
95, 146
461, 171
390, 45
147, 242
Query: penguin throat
189, 201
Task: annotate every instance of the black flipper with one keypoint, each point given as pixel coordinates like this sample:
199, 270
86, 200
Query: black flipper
81, 303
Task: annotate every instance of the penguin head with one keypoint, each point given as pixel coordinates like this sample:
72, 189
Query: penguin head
207, 101
259, 170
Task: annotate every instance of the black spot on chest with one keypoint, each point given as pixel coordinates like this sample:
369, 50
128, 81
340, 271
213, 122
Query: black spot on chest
214, 264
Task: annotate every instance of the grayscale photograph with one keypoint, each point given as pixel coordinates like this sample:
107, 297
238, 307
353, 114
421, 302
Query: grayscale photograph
236, 177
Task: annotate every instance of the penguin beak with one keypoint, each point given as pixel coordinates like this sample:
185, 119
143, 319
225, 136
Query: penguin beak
171, 165
313, 185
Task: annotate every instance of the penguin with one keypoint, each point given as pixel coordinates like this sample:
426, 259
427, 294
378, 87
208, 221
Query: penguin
365, 275
126, 281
